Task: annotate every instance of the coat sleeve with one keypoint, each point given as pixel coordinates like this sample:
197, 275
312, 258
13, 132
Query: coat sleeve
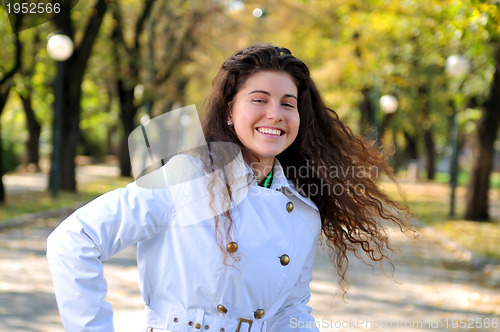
92, 234
295, 314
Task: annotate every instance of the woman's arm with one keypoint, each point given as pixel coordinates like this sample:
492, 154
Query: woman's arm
92, 234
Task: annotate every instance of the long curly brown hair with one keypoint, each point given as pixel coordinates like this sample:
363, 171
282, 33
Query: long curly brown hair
342, 168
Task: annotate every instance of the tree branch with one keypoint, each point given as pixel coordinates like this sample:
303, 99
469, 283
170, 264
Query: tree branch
178, 47
118, 28
139, 27
17, 57
91, 31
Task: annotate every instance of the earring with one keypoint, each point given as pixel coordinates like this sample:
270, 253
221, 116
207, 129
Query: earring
229, 122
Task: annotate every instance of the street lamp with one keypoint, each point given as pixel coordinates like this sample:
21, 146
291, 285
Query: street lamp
60, 49
456, 66
389, 104
258, 12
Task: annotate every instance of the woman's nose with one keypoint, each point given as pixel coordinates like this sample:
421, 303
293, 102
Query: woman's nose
274, 112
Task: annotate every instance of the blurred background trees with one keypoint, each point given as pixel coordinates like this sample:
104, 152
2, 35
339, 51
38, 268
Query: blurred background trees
134, 59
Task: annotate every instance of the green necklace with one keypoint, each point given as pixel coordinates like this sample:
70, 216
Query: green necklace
269, 180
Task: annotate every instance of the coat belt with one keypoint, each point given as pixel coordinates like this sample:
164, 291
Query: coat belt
181, 320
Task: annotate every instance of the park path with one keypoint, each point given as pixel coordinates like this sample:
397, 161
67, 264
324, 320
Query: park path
432, 286
22, 182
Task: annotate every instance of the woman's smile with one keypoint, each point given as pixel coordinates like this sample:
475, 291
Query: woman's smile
271, 131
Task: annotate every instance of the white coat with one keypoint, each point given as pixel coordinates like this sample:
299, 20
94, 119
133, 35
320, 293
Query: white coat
183, 281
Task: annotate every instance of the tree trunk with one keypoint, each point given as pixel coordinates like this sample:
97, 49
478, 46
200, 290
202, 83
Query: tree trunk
396, 159
430, 153
385, 124
4, 95
125, 84
367, 119
5, 86
70, 126
411, 147
479, 179
2, 188
34, 130
127, 114
482, 163
74, 70
111, 148
423, 99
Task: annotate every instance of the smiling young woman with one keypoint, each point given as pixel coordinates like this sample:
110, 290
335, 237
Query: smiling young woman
248, 265
326, 162
265, 117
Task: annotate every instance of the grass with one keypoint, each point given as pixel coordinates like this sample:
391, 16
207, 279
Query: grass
429, 202
463, 177
31, 202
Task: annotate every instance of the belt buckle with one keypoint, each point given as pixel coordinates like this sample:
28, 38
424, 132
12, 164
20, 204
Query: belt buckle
243, 320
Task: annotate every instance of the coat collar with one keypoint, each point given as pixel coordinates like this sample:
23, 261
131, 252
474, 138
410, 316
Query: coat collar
190, 180
280, 182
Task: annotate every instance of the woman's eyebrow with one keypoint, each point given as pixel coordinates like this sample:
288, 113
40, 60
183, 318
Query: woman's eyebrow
268, 94
260, 91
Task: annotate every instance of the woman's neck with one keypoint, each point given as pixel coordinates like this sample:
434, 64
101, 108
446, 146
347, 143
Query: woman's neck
262, 168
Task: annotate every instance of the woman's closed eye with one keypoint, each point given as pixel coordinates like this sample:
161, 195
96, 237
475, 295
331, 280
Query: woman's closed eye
259, 101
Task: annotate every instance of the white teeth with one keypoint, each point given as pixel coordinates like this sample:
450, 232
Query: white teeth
276, 132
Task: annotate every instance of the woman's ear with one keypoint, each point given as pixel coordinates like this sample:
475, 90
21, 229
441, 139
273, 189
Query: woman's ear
230, 115
230, 108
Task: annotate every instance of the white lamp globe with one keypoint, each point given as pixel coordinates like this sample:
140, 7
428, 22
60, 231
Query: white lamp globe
145, 119
389, 104
258, 12
138, 91
457, 65
60, 47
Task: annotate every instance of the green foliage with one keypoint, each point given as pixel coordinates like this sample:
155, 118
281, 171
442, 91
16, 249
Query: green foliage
97, 118
394, 46
7, 41
429, 203
13, 134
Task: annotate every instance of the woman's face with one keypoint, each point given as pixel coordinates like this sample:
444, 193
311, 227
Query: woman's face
265, 114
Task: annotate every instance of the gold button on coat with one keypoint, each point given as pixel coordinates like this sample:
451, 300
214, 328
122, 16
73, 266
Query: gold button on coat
284, 260
190, 323
198, 325
221, 309
207, 327
232, 247
289, 207
259, 313
176, 320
